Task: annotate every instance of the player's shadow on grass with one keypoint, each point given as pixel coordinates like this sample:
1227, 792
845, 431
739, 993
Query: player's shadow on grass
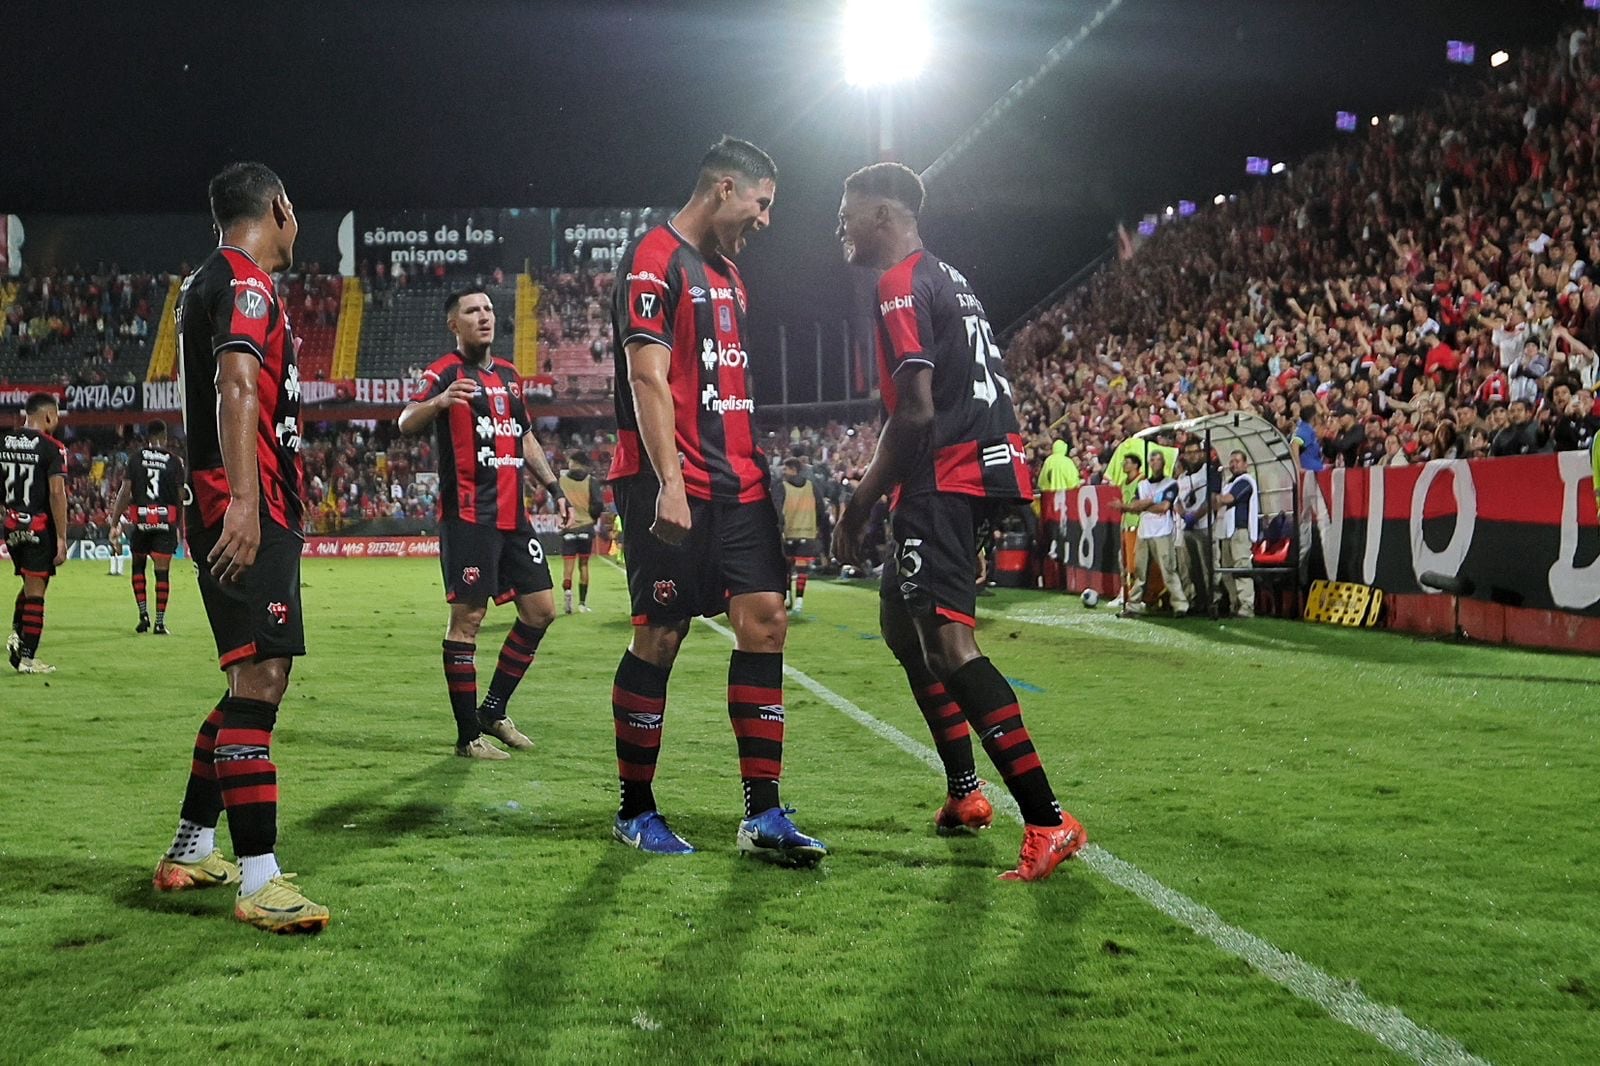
419, 803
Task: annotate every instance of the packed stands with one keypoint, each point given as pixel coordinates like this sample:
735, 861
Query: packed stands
1426, 289
79, 327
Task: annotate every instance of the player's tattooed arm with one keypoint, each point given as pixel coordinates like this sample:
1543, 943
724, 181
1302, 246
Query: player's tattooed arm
904, 441
533, 458
652, 404
240, 405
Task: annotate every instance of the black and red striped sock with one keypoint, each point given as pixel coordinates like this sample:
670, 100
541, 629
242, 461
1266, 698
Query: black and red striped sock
246, 777
163, 586
202, 800
516, 655
991, 707
951, 737
32, 626
800, 583
638, 705
461, 679
566, 584
139, 586
755, 707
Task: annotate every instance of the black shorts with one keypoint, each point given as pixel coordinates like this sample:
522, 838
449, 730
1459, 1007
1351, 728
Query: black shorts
482, 563
579, 544
732, 549
802, 549
153, 541
32, 554
934, 569
258, 617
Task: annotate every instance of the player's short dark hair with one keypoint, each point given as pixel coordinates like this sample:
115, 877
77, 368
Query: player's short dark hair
243, 191
37, 401
155, 428
577, 459
730, 155
461, 294
892, 181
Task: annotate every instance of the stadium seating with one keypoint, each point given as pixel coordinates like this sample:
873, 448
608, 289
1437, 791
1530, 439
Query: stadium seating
403, 328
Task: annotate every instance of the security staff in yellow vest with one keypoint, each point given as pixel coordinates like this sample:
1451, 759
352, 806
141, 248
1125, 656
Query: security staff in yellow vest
577, 537
803, 514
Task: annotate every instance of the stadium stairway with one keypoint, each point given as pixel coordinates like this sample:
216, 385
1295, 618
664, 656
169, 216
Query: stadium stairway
527, 324
164, 355
347, 341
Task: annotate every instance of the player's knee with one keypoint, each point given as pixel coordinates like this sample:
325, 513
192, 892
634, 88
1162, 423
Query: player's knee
948, 648
266, 681
658, 644
537, 615
465, 622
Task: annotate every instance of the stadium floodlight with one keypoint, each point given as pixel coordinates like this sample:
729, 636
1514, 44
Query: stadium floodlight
1374, 120
1500, 58
1219, 199
885, 41
1279, 168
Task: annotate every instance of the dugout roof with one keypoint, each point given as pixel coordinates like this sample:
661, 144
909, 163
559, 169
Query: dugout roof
1271, 459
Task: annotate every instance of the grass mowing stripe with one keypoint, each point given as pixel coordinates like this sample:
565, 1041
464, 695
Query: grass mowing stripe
1342, 1000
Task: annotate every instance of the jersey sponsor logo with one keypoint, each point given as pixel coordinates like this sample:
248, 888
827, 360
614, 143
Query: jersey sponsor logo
649, 721
665, 592
711, 400
645, 275
713, 354
771, 712
251, 304
291, 382
647, 305
896, 303
288, 430
697, 294
1000, 454
470, 575
279, 612
21, 442
721, 294
489, 428
487, 458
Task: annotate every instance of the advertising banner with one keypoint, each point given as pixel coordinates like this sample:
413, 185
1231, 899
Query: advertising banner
1082, 537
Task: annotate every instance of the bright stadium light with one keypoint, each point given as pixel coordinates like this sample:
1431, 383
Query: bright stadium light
1219, 199
1500, 58
1279, 168
885, 41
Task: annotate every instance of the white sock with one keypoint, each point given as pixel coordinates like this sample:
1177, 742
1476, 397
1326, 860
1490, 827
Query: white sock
193, 841
799, 603
255, 871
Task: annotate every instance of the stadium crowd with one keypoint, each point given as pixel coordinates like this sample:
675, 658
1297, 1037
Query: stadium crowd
1424, 290
90, 315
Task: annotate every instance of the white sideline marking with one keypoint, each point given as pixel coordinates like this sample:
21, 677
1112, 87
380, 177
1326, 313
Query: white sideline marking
1343, 1000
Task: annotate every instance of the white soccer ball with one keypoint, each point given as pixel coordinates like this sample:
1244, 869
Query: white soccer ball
1091, 598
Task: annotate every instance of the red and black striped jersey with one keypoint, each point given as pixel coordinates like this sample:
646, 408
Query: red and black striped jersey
927, 313
479, 442
155, 477
231, 304
668, 293
28, 460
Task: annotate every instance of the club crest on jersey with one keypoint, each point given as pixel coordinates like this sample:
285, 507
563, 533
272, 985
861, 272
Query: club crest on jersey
738, 294
666, 592
251, 304
502, 406
647, 305
470, 575
279, 612
725, 318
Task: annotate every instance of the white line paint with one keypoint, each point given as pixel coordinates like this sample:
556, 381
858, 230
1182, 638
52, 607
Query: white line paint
1342, 1000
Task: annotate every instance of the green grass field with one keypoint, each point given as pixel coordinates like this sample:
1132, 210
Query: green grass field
1416, 820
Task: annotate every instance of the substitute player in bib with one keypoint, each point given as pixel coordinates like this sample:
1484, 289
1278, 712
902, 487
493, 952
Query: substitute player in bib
487, 546
804, 515
34, 467
950, 458
577, 538
149, 503
691, 486
241, 408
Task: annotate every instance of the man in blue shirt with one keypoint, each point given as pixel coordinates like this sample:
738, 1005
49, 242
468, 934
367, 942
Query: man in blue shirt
1307, 448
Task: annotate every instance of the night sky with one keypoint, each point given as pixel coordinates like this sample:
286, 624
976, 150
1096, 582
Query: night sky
110, 108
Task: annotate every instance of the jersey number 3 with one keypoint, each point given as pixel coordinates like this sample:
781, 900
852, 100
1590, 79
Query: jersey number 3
991, 378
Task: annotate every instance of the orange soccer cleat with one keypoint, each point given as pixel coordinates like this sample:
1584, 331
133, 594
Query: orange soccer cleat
1044, 847
966, 815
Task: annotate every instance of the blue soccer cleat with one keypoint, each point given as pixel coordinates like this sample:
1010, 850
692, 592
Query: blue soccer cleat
771, 837
650, 832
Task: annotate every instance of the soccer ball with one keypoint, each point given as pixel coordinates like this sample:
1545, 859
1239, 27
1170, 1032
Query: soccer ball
1091, 598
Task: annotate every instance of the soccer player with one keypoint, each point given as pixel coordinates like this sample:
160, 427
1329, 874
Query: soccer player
804, 515
691, 486
950, 458
241, 400
577, 539
148, 503
487, 546
33, 465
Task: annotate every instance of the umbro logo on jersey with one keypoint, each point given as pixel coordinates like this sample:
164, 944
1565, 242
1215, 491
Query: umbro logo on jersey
772, 712
647, 305
697, 294
648, 721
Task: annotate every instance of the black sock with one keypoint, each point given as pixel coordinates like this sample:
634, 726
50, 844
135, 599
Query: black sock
516, 655
638, 705
16, 615
991, 708
583, 593
948, 726
246, 777
755, 707
461, 678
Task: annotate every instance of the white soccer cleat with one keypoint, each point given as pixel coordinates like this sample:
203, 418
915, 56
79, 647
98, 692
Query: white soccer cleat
34, 666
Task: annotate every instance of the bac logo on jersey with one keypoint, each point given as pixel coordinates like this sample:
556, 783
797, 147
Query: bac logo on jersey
666, 592
647, 305
469, 575
250, 304
279, 612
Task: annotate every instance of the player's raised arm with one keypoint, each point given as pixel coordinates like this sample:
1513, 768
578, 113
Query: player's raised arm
652, 403
239, 403
431, 401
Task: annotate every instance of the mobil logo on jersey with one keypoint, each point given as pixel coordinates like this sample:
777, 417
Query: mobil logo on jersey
896, 303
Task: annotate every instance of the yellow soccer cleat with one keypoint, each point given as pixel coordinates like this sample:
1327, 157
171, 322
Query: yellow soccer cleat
174, 876
278, 907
